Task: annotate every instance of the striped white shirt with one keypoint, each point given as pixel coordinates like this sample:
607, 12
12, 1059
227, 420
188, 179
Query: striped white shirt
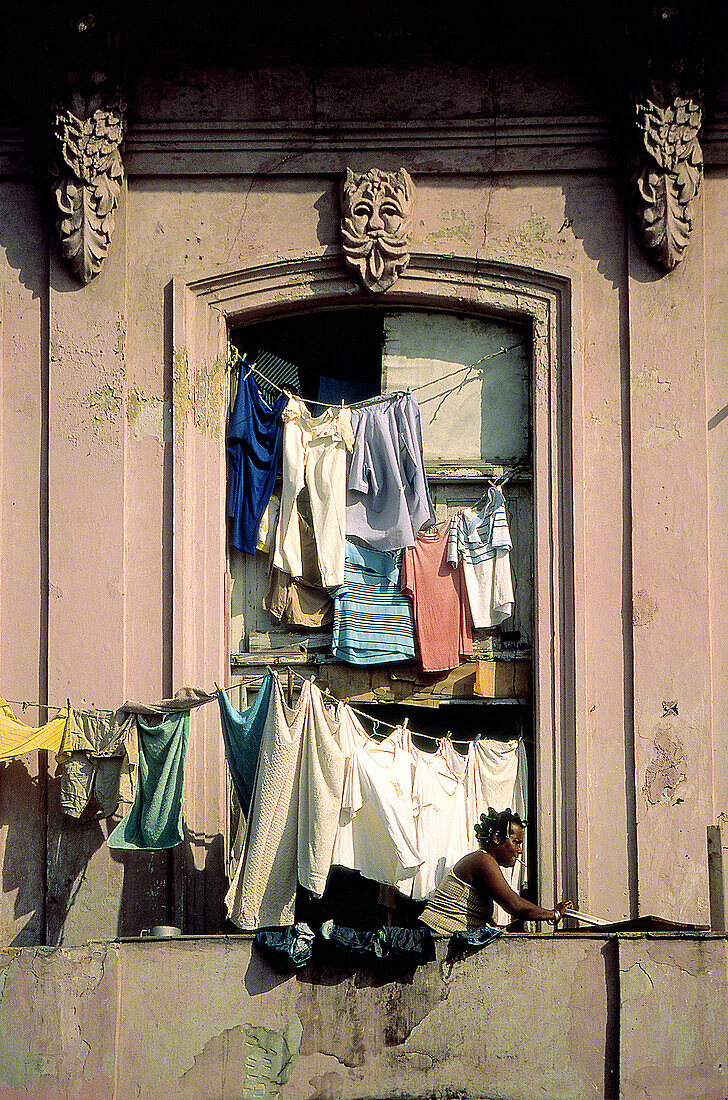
482, 542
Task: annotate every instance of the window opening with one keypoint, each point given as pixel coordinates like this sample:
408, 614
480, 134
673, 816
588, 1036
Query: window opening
476, 428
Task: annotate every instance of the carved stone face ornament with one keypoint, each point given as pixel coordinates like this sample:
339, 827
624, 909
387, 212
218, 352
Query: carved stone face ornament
376, 225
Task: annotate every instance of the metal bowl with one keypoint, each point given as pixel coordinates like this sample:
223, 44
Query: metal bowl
161, 932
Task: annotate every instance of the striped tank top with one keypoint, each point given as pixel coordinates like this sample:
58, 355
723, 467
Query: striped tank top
456, 907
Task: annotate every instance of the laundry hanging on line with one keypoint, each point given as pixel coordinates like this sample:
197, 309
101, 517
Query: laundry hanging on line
314, 456
16, 738
253, 437
375, 446
397, 815
443, 625
481, 543
99, 757
154, 820
300, 601
318, 793
183, 701
294, 812
388, 499
373, 623
242, 733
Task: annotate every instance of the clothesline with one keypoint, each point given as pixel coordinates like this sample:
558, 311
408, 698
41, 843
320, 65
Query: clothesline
258, 679
25, 703
355, 710
248, 683
243, 361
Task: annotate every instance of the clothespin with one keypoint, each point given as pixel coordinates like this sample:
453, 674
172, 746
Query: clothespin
217, 686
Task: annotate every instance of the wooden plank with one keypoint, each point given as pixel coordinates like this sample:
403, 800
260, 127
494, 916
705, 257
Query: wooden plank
264, 640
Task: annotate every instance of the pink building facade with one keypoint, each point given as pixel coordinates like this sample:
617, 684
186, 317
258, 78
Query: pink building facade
116, 580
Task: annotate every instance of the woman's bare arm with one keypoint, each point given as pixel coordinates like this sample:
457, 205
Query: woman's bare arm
487, 877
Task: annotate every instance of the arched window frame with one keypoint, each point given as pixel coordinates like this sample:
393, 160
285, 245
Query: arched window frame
202, 313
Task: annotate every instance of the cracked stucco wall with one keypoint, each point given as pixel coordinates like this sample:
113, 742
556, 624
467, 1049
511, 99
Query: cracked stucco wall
565, 1017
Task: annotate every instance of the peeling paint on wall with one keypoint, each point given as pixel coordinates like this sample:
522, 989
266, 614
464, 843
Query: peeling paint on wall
365, 1017
254, 1063
634, 982
659, 435
201, 399
531, 240
644, 608
456, 226
649, 379
666, 771
36, 975
104, 409
533, 237
148, 417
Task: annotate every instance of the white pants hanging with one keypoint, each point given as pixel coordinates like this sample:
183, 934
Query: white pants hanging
314, 454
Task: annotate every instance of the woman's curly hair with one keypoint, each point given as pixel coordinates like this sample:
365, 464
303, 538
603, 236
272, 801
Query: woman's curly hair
494, 822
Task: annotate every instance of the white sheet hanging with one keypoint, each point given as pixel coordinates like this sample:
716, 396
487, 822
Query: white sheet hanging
493, 780
294, 811
440, 815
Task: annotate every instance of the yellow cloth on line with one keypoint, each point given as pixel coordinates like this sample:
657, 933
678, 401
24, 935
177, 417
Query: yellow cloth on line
16, 738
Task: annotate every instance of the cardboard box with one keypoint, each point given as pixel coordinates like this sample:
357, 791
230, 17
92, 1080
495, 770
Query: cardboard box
500, 679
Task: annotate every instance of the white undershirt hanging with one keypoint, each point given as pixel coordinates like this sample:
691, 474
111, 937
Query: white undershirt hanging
376, 834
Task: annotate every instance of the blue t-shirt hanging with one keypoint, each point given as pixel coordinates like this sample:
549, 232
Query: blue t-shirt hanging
253, 437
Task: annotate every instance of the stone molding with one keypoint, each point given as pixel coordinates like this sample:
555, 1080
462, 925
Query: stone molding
457, 147
158, 149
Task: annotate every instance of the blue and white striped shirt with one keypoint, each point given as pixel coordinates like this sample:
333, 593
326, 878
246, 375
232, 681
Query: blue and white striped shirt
373, 622
482, 542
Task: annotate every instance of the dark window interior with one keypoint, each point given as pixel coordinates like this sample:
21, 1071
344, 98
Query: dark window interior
338, 344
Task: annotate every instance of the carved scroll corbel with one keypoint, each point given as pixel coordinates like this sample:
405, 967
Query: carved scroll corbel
668, 178
667, 116
88, 178
89, 122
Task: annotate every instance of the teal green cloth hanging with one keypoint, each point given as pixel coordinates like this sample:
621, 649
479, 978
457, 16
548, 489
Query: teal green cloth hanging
155, 818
